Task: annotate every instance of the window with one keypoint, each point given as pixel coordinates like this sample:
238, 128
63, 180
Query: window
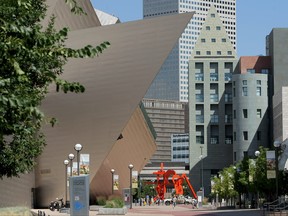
244, 91
258, 135
218, 52
229, 52
213, 15
235, 154
259, 113
214, 139
245, 153
234, 92
203, 40
223, 40
197, 52
208, 52
258, 82
244, 82
208, 28
258, 91
200, 139
218, 28
245, 135
213, 40
234, 114
250, 70
234, 136
245, 113
264, 71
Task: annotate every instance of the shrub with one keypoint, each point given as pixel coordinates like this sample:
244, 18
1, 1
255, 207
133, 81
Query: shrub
15, 211
101, 200
114, 202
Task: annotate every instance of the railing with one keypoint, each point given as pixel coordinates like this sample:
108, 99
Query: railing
277, 207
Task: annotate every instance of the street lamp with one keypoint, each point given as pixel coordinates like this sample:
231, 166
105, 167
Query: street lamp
78, 148
66, 162
277, 144
201, 158
71, 157
257, 153
130, 166
112, 172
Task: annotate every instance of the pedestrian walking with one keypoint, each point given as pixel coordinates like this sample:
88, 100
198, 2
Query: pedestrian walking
174, 200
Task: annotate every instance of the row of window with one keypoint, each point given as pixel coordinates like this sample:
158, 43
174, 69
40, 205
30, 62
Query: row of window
175, 156
214, 140
245, 135
229, 52
180, 148
245, 91
245, 113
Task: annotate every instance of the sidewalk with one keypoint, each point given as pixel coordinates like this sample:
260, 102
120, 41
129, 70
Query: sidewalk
153, 210
163, 210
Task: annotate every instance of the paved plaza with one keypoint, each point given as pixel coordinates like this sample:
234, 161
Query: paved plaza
179, 210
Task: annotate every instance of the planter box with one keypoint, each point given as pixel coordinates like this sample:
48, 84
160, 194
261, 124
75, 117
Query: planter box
112, 211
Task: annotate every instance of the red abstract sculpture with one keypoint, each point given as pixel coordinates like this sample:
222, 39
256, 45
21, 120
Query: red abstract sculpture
162, 180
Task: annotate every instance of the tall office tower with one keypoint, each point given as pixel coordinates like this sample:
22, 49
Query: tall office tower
210, 102
171, 82
250, 105
167, 118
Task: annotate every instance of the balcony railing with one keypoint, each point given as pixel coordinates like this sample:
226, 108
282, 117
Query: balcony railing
214, 139
214, 98
228, 118
199, 76
214, 118
199, 98
228, 140
228, 98
228, 76
213, 76
199, 118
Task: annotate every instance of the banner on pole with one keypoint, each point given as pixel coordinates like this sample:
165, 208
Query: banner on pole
271, 164
134, 179
116, 182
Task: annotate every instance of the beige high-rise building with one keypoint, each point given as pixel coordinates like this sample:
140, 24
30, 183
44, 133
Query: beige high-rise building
210, 102
171, 82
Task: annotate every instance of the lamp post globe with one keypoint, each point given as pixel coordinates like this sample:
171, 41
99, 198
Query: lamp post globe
78, 148
257, 153
66, 162
71, 156
277, 143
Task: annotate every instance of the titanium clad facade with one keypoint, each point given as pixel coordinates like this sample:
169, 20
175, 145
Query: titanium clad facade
171, 82
107, 109
210, 102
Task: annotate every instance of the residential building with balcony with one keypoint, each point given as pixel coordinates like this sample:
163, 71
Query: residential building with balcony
210, 102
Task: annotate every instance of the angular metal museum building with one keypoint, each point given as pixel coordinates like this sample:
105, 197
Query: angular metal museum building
107, 118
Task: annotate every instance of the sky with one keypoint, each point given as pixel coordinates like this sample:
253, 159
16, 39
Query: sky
255, 19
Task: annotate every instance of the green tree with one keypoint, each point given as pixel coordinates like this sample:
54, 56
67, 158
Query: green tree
223, 184
32, 58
